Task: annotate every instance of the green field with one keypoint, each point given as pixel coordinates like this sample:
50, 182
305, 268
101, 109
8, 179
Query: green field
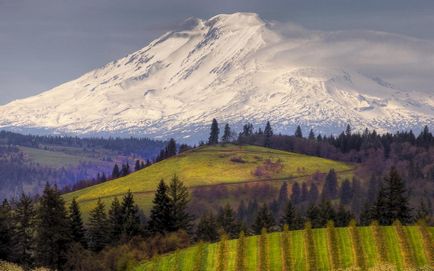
185, 259
209, 165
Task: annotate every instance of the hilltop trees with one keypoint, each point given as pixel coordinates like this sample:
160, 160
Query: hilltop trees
214, 133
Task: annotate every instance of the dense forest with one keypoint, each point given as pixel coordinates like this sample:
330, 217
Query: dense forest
29, 161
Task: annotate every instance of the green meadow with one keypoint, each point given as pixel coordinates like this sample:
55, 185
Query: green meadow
209, 165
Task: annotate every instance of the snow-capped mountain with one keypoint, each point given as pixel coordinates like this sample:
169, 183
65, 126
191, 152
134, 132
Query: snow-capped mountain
237, 68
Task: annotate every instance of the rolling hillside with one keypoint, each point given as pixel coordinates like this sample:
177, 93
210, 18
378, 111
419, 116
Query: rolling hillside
404, 247
209, 165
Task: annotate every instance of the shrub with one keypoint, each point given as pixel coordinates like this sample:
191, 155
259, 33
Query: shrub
200, 257
222, 253
286, 253
309, 247
264, 259
379, 242
332, 245
241, 253
358, 254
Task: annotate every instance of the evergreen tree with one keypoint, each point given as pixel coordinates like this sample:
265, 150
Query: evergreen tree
290, 217
298, 132
346, 193
311, 135
207, 228
171, 148
392, 201
137, 166
53, 229
179, 199
130, 215
330, 189
98, 228
6, 231
296, 193
264, 219
227, 134
214, 134
23, 236
226, 220
116, 220
77, 230
160, 218
313, 194
116, 172
268, 132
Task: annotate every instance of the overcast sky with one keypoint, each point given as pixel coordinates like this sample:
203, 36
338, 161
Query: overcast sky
47, 42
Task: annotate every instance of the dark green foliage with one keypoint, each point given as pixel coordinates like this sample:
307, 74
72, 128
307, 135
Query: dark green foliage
53, 229
358, 254
160, 219
116, 221
392, 201
268, 132
116, 173
264, 219
226, 220
298, 133
98, 228
23, 236
206, 229
214, 133
330, 189
78, 233
296, 193
179, 199
346, 192
343, 217
6, 230
227, 134
130, 216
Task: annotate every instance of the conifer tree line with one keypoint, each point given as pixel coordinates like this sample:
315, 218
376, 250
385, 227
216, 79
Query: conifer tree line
44, 231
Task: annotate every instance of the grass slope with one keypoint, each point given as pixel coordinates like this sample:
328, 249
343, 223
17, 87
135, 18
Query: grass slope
297, 251
207, 165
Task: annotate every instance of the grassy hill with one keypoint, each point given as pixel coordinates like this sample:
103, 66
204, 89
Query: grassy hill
404, 247
209, 165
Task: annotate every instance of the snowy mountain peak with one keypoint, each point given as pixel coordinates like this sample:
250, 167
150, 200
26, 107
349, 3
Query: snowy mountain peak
233, 67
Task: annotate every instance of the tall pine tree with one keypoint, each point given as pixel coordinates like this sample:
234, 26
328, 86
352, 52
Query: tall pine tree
214, 133
98, 228
78, 233
53, 229
160, 218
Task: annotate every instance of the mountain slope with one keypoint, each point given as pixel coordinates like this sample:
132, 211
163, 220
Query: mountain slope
235, 68
208, 166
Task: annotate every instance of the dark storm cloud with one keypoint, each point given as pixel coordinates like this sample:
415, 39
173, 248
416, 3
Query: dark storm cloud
46, 42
